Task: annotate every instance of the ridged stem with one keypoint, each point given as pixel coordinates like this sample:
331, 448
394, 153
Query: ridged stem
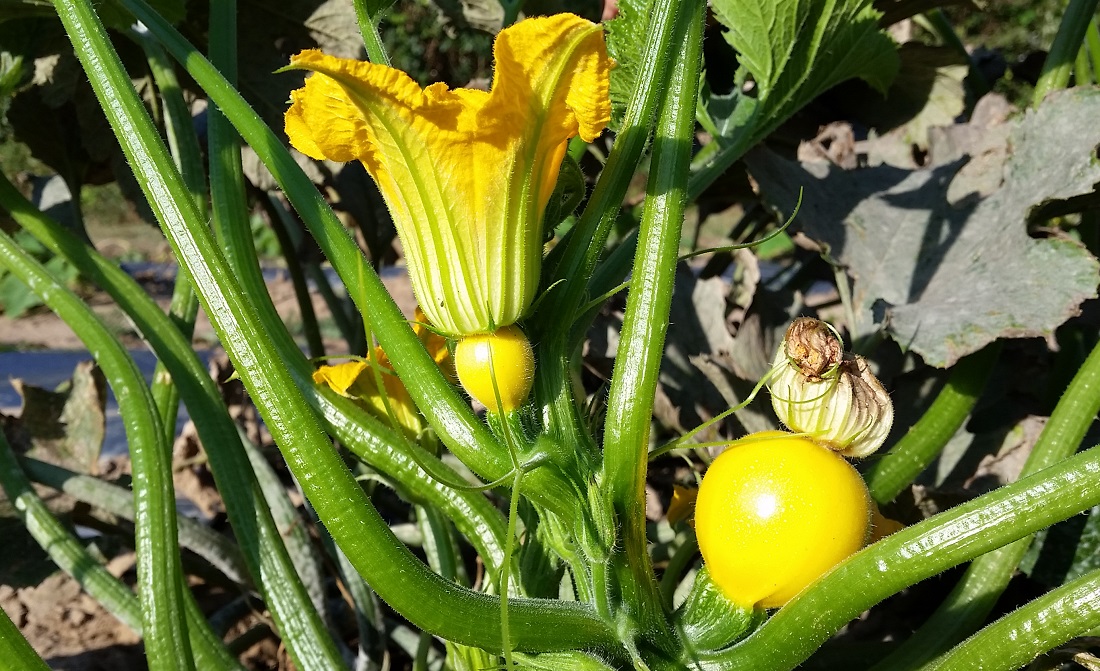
1043, 624
974, 596
641, 345
926, 439
1063, 51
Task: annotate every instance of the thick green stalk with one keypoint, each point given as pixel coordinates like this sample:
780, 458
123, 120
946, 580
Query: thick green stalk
411, 588
447, 411
15, 649
641, 345
1016, 639
1063, 51
1092, 40
184, 144
977, 591
253, 527
927, 438
71, 557
368, 28
581, 251
228, 200
160, 578
911, 555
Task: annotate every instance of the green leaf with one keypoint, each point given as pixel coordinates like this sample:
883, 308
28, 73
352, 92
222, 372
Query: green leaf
941, 257
790, 53
626, 39
795, 50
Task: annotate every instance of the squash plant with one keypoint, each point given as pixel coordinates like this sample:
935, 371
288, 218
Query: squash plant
547, 489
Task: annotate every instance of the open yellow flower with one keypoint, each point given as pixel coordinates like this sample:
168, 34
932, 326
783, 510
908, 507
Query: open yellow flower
466, 174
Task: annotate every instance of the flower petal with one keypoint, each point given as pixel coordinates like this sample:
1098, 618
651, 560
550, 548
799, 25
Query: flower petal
341, 377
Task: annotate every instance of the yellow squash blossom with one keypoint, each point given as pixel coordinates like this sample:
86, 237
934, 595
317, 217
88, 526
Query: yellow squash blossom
466, 174
356, 380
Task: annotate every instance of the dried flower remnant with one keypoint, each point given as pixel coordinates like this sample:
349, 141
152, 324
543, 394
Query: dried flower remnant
812, 346
828, 394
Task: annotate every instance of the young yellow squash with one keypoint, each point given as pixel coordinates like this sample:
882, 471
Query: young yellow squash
775, 512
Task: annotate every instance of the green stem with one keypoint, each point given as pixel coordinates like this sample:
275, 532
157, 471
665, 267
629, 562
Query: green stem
977, 591
368, 28
184, 145
228, 198
911, 555
927, 438
1063, 51
1049, 621
160, 578
505, 573
584, 245
641, 345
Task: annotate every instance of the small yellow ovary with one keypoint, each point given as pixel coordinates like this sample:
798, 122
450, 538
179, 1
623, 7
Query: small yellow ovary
499, 363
